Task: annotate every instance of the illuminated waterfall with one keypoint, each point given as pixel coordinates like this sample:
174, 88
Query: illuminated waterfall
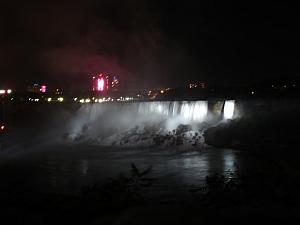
229, 109
113, 122
188, 111
182, 111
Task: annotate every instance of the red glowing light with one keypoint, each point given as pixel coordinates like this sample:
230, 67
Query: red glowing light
100, 84
43, 88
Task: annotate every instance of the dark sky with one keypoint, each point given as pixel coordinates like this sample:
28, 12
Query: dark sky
148, 43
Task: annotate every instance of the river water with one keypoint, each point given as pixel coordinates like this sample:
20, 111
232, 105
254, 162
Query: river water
67, 168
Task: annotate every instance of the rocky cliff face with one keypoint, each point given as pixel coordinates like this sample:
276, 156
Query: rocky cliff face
261, 123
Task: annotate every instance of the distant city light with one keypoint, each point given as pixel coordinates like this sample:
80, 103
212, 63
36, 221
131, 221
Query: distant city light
87, 100
58, 92
49, 99
2, 127
43, 88
197, 85
60, 99
8, 91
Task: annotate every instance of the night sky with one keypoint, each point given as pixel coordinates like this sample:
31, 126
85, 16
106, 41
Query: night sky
147, 43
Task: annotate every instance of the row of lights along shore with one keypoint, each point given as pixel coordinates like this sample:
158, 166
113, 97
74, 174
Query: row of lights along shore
100, 100
3, 91
82, 100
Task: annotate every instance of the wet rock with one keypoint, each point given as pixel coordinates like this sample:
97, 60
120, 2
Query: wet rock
181, 129
179, 140
159, 140
217, 136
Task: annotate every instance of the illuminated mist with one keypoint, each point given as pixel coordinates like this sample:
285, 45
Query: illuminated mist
140, 123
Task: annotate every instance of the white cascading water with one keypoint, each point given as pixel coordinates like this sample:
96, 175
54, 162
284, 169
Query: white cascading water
229, 106
145, 123
188, 111
111, 122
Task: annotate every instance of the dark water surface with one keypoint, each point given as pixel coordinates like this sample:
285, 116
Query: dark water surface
66, 168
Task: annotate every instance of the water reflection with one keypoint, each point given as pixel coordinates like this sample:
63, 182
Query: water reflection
229, 162
193, 169
84, 167
69, 171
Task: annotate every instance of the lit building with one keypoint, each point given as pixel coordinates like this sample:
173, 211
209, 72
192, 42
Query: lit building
36, 88
43, 89
99, 83
197, 85
5, 91
202, 85
58, 91
105, 83
115, 83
